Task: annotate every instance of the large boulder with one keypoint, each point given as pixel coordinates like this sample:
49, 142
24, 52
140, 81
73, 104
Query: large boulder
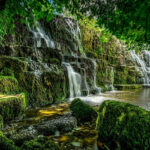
122, 125
82, 111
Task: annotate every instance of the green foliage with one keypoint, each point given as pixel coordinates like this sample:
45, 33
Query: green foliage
82, 111
6, 144
26, 10
123, 125
128, 20
41, 143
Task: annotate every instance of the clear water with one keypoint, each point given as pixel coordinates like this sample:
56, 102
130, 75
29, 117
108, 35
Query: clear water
140, 97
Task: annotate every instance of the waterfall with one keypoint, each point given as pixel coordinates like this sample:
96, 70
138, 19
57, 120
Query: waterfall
76, 33
95, 88
142, 64
112, 78
77, 75
74, 81
39, 34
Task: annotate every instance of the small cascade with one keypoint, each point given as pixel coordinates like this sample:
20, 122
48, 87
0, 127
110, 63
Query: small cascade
96, 89
74, 81
85, 86
76, 33
39, 34
112, 78
142, 64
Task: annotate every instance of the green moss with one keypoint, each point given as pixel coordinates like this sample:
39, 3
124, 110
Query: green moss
82, 111
7, 72
6, 144
41, 143
12, 106
8, 85
123, 124
128, 86
1, 122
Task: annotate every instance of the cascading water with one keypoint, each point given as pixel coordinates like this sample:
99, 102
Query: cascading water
95, 88
142, 64
76, 33
112, 78
78, 85
74, 81
39, 34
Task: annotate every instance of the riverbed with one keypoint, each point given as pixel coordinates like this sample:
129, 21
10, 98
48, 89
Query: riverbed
84, 136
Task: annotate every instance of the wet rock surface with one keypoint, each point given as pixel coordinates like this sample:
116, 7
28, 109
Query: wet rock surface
65, 123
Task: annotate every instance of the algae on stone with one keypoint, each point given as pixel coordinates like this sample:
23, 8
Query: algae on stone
12, 106
82, 111
123, 125
6, 144
8, 85
41, 143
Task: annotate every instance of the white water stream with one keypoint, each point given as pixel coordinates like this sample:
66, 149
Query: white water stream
142, 63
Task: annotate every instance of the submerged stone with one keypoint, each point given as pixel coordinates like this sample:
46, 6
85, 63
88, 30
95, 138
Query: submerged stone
82, 111
122, 125
12, 106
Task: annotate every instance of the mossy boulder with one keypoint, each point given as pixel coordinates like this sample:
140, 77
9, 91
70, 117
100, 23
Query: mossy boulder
123, 125
8, 84
82, 111
6, 144
12, 106
41, 143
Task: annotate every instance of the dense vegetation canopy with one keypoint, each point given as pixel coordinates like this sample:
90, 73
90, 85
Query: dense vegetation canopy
128, 20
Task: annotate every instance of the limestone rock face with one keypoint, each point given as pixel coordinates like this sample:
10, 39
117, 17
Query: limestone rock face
34, 55
123, 125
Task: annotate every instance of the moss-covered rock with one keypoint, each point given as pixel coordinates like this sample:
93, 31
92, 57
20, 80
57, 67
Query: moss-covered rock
6, 144
123, 125
128, 86
42, 85
8, 85
41, 143
82, 111
12, 106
